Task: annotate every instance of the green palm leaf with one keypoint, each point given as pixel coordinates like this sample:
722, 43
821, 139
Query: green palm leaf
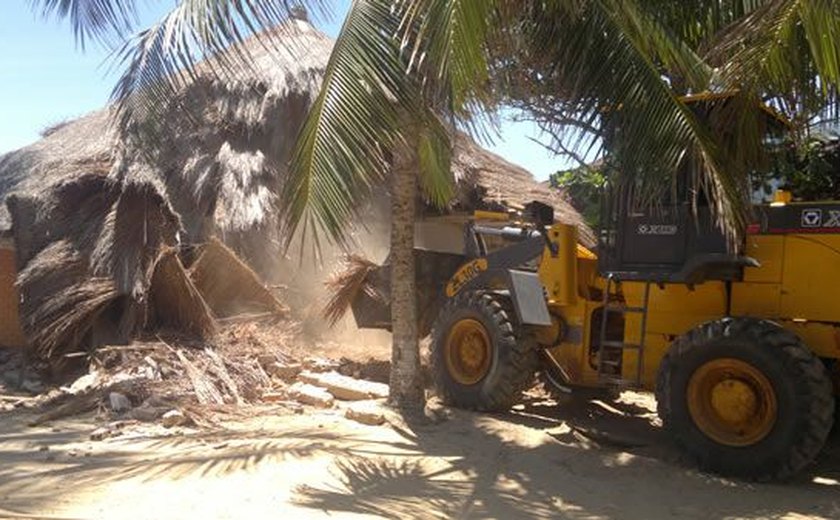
369, 104
785, 50
102, 20
448, 40
602, 64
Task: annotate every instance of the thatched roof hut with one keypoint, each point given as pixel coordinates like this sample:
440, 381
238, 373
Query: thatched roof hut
222, 169
93, 222
86, 245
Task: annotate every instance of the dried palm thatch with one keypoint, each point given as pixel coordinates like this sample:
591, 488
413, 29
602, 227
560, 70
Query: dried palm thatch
487, 181
175, 301
346, 284
98, 257
74, 286
82, 147
66, 314
365, 287
90, 247
223, 167
228, 285
230, 161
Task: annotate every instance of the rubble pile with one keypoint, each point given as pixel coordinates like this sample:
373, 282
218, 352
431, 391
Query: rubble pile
178, 382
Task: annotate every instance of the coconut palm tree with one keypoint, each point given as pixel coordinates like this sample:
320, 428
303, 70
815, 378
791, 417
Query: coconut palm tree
405, 73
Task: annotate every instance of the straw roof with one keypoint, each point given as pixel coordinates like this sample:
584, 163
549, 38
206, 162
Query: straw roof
223, 172
88, 248
224, 166
487, 181
83, 146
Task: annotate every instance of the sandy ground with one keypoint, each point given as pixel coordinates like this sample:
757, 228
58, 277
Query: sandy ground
585, 459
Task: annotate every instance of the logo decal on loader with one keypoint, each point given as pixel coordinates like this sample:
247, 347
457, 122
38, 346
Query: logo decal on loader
812, 218
657, 229
465, 274
833, 219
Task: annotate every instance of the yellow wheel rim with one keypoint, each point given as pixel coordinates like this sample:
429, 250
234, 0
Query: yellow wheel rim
468, 352
732, 402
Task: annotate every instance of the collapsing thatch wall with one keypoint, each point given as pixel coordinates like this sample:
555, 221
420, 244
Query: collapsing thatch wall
11, 334
89, 247
228, 285
175, 300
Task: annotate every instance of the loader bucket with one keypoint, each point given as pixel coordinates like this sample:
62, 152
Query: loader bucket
372, 309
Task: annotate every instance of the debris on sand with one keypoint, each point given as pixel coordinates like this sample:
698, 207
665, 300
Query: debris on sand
176, 380
369, 413
284, 371
311, 395
346, 388
174, 418
119, 402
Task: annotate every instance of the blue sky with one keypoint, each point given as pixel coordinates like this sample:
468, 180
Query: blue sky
45, 78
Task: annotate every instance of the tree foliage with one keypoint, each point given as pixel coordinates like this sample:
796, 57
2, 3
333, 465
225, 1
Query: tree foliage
581, 68
809, 169
584, 186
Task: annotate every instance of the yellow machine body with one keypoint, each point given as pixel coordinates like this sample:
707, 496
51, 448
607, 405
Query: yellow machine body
740, 348
793, 286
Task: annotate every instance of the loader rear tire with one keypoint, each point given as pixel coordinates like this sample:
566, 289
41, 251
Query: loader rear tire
500, 360
746, 398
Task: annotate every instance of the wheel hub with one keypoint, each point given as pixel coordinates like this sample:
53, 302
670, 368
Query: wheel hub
468, 352
732, 402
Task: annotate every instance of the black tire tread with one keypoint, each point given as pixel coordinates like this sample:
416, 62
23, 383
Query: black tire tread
811, 380
520, 361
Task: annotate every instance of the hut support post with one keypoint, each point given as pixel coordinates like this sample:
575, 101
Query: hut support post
406, 383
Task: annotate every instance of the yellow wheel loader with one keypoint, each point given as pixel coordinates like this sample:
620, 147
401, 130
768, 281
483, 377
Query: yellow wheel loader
741, 350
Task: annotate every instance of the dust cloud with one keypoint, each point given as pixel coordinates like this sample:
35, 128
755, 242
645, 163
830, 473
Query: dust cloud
301, 276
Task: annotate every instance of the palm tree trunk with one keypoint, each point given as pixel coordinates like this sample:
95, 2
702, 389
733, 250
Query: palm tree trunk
406, 384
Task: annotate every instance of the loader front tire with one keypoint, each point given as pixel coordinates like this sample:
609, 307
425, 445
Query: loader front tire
481, 360
746, 398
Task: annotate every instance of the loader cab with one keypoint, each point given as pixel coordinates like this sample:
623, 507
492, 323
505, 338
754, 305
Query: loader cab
677, 241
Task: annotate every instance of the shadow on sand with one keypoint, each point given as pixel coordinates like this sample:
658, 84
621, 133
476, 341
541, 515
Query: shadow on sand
585, 459
597, 458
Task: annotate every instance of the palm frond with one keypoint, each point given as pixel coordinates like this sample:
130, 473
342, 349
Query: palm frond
369, 104
697, 22
784, 49
106, 21
448, 41
204, 35
664, 44
346, 284
598, 64
341, 151
434, 151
